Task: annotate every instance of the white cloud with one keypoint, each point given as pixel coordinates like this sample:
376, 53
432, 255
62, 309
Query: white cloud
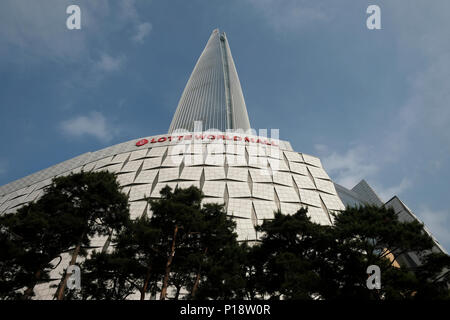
321, 148
108, 63
427, 111
94, 124
32, 31
129, 13
350, 167
438, 222
143, 30
128, 10
414, 140
387, 193
35, 31
357, 163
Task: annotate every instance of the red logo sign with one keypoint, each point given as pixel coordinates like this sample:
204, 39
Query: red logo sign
202, 137
141, 142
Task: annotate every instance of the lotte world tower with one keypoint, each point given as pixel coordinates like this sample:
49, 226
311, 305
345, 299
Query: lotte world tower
210, 144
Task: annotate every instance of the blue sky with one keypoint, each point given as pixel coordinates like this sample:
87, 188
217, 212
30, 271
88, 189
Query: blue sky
371, 104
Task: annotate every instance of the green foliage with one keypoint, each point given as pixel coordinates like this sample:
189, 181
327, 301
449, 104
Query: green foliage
205, 236
298, 259
194, 249
105, 277
203, 258
285, 263
222, 263
72, 210
34, 236
374, 236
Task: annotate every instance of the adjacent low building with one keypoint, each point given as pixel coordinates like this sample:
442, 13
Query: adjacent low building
363, 194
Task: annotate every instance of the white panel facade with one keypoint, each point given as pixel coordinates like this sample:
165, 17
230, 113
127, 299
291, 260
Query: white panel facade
147, 176
231, 172
214, 173
237, 174
264, 209
263, 191
239, 208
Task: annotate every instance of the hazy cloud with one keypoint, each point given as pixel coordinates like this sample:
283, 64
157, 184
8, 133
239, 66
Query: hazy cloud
359, 162
108, 63
129, 13
128, 10
413, 141
143, 30
426, 112
35, 31
94, 124
349, 167
387, 193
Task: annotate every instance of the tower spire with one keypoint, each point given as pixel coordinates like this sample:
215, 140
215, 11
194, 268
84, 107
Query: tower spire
213, 93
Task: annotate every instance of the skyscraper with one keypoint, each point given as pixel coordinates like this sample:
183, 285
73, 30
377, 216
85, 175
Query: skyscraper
253, 176
213, 94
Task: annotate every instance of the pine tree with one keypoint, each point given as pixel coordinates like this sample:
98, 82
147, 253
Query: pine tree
94, 198
183, 245
192, 240
34, 236
220, 273
285, 261
298, 259
71, 211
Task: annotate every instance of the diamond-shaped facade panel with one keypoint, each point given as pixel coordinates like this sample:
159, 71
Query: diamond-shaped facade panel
238, 189
240, 208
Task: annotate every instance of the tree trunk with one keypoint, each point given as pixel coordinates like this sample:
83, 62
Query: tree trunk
29, 291
146, 282
169, 263
177, 293
194, 289
107, 242
197, 279
63, 283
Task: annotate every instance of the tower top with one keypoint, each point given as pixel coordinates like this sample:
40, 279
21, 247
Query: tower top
213, 93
